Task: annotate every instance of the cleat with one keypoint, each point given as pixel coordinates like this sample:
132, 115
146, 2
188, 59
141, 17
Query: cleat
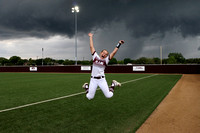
116, 83
85, 86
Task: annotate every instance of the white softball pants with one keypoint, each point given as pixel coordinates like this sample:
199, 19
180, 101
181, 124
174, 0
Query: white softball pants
102, 83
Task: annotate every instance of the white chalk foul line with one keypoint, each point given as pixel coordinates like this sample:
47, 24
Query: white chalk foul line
138, 79
45, 101
54, 99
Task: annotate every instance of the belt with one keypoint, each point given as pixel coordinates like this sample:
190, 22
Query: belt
97, 77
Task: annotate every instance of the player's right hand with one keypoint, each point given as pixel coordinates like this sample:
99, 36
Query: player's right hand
90, 34
121, 41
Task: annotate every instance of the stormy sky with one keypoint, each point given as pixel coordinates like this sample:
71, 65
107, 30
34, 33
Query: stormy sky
27, 26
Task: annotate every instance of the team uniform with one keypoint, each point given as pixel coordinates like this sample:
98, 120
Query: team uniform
97, 75
98, 78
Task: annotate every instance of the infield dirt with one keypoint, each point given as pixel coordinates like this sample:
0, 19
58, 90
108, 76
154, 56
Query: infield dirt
179, 112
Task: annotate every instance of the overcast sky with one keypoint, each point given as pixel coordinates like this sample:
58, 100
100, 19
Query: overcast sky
27, 26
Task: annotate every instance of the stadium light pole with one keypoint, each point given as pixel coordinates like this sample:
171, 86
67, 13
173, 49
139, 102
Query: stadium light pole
75, 10
42, 55
161, 55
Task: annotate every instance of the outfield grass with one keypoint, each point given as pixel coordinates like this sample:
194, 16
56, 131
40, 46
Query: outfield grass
125, 112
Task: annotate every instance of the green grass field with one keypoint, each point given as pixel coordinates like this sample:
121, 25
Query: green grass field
124, 112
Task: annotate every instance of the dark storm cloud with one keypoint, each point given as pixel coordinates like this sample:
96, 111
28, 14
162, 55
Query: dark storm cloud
43, 18
35, 18
153, 16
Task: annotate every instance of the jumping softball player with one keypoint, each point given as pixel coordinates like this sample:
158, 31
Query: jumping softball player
98, 76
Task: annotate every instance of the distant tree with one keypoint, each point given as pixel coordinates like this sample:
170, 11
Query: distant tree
16, 60
164, 61
142, 60
134, 62
49, 61
3, 61
193, 61
120, 62
127, 60
172, 60
178, 57
91, 61
84, 62
68, 62
60, 61
24, 61
156, 60
150, 61
113, 61
38, 62
31, 62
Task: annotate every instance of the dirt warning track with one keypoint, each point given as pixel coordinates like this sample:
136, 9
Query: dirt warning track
179, 112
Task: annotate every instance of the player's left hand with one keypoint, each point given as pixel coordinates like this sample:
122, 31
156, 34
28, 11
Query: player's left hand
121, 41
90, 34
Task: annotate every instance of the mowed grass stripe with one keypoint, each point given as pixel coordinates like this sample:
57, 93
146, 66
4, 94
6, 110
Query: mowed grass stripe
23, 88
45, 101
58, 98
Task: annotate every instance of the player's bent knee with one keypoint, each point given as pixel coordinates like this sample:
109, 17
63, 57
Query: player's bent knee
109, 95
89, 97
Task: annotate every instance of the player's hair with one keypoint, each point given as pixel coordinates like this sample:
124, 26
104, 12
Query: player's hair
105, 50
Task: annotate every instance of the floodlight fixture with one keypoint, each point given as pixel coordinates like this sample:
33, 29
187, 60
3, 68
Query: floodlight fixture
75, 10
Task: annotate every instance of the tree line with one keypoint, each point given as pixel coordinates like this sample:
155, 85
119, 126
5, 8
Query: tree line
173, 58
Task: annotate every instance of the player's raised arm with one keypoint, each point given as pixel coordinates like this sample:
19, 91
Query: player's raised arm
116, 49
91, 43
